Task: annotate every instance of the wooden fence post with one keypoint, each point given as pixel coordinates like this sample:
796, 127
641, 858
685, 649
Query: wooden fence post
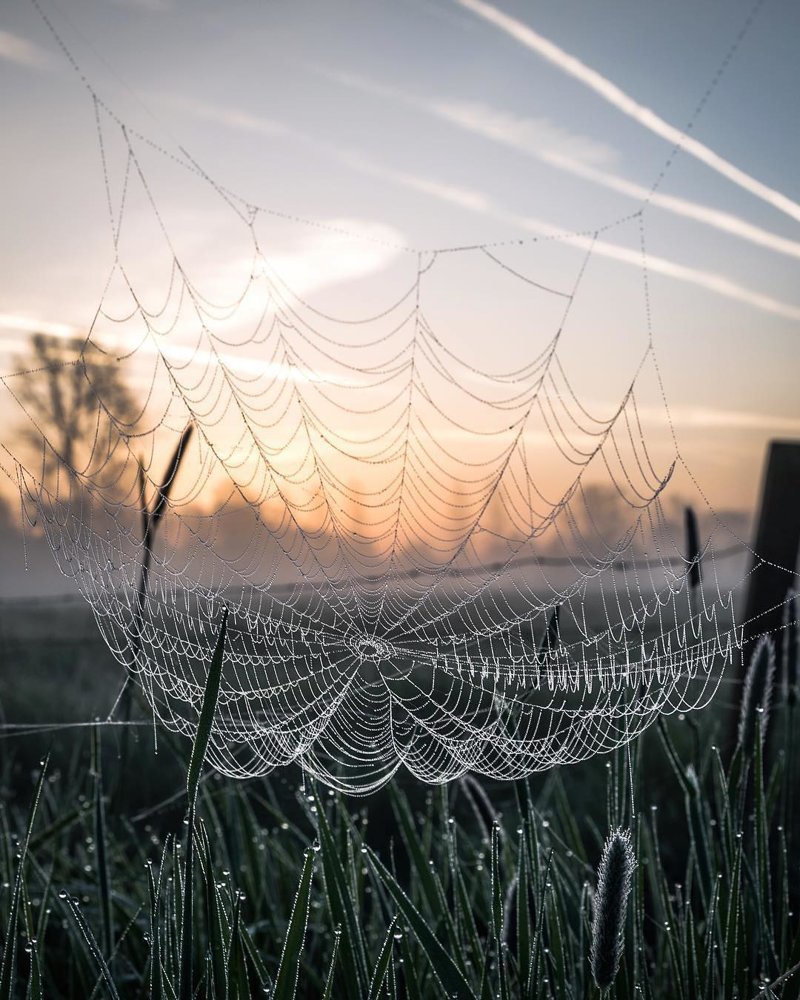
776, 544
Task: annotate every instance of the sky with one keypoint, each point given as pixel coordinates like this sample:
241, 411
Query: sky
421, 125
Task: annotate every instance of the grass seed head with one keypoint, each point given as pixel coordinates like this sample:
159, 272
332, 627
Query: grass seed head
757, 694
614, 882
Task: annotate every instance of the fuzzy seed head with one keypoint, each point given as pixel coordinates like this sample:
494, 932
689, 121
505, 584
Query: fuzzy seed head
757, 694
614, 882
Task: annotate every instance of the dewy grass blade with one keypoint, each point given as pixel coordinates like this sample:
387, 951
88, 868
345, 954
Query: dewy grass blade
196, 761
763, 871
90, 945
340, 901
150, 522
444, 967
216, 929
206, 714
414, 847
473, 943
410, 977
237, 986
524, 921
156, 971
152, 517
497, 911
165, 488
732, 918
34, 989
120, 941
496, 887
289, 967
249, 949
337, 936
384, 957
541, 902
101, 846
10, 946
419, 853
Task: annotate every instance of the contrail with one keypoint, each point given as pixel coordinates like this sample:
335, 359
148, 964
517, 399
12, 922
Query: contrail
478, 121
500, 127
479, 203
710, 280
476, 201
611, 93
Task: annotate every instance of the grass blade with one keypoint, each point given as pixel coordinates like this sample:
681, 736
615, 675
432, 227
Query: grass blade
289, 967
384, 957
10, 946
332, 967
165, 488
444, 967
199, 749
206, 719
497, 910
90, 945
216, 929
342, 908
101, 845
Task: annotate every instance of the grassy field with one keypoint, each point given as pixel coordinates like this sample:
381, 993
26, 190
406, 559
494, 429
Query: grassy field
474, 889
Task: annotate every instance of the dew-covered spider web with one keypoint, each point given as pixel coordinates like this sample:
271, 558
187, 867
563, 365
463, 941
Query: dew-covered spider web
431, 558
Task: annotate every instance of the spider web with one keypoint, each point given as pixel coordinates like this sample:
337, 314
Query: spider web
409, 545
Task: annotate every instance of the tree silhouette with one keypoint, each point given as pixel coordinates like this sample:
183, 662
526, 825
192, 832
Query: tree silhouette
73, 395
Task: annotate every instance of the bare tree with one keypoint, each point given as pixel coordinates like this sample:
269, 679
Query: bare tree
73, 395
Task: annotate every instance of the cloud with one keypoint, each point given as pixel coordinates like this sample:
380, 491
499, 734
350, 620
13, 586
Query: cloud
349, 249
709, 280
713, 419
477, 202
617, 97
243, 121
153, 6
453, 194
230, 117
30, 324
564, 150
19, 50
537, 137
575, 156
344, 250
481, 204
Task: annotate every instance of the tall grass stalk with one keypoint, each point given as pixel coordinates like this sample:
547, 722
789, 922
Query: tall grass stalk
152, 516
199, 749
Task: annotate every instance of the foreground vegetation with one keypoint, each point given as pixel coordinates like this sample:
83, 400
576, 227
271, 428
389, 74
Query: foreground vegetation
467, 890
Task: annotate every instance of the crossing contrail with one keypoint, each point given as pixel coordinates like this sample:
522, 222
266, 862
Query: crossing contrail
617, 97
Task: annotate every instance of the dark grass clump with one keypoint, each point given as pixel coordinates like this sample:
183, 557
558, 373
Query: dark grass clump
614, 883
279, 887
